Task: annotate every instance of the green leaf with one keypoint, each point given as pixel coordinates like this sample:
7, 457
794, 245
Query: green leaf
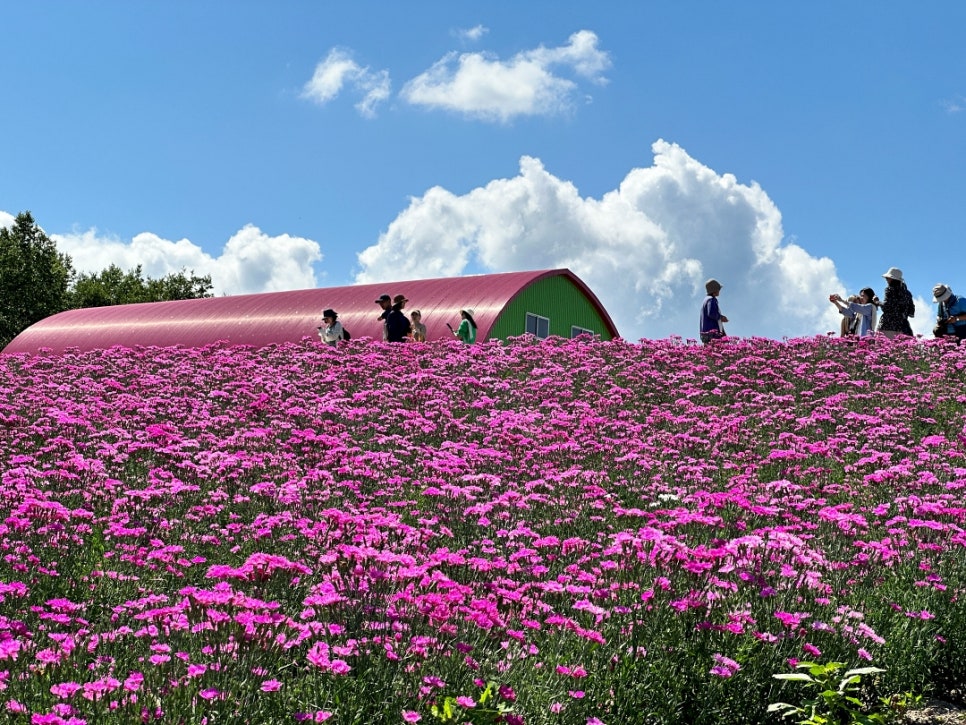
487, 693
797, 676
861, 671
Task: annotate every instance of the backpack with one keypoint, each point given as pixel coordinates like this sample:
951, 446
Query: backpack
345, 334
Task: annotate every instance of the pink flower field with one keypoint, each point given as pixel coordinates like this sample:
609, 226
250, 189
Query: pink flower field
525, 532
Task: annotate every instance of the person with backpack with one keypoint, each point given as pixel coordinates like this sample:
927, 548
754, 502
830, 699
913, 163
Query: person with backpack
331, 331
897, 305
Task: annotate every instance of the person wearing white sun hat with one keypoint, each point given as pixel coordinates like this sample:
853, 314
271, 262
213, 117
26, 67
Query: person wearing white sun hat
897, 305
466, 332
950, 314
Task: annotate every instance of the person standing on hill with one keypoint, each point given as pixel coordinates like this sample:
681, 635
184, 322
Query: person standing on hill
419, 329
385, 302
712, 321
398, 326
897, 305
331, 330
466, 332
860, 309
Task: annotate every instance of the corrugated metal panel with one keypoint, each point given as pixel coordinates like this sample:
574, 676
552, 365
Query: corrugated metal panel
561, 300
275, 317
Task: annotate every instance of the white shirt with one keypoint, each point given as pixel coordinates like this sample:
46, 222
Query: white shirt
331, 334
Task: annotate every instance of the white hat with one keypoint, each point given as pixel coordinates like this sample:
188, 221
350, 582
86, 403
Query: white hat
941, 293
894, 273
469, 311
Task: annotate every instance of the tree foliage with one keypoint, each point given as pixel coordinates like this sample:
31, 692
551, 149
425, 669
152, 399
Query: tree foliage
34, 277
113, 286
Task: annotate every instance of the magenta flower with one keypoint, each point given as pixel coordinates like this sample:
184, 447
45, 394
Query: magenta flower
65, 689
724, 666
811, 650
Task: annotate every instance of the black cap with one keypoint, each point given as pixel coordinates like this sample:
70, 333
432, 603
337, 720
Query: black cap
384, 298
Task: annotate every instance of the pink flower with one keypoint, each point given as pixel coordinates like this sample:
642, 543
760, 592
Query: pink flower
65, 689
9, 648
133, 682
197, 670
464, 701
812, 650
411, 716
725, 667
340, 667
271, 686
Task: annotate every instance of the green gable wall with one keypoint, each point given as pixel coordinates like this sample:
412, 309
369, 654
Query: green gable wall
556, 298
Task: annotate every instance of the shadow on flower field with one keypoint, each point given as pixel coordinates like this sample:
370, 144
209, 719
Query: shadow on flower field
531, 532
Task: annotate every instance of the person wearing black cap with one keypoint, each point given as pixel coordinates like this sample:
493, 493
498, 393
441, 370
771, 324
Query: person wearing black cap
398, 326
712, 321
331, 331
385, 302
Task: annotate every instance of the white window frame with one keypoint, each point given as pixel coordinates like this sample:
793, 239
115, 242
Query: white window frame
534, 329
577, 331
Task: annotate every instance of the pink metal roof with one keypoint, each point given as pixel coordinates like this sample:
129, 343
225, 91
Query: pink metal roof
275, 317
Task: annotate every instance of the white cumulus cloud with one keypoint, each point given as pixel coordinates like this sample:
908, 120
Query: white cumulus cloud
645, 248
339, 70
6, 220
251, 260
528, 84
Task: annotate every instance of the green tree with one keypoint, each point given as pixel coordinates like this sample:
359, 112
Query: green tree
113, 286
183, 285
34, 277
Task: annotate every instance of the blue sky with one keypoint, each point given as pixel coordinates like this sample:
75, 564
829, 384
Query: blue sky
789, 149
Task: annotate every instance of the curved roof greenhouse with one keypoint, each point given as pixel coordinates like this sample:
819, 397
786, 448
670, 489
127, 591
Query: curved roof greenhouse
547, 302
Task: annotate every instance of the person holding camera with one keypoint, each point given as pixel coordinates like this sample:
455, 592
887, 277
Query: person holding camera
950, 314
859, 312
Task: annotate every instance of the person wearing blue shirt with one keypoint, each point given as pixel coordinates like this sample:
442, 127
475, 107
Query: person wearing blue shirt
951, 311
712, 321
